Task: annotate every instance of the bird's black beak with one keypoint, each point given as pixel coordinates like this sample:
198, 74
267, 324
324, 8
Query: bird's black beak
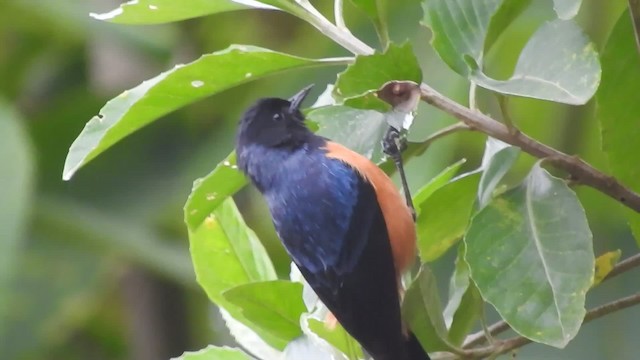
297, 99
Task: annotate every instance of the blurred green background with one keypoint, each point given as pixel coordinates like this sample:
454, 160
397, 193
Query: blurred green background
98, 267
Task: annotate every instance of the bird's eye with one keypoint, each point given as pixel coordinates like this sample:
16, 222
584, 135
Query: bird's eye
277, 117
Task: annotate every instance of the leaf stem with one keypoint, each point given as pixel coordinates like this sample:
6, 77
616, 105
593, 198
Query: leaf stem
338, 15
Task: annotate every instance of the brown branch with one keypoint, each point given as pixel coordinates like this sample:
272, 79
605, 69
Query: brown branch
580, 171
623, 266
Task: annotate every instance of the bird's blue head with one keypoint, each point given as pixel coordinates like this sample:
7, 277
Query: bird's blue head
274, 123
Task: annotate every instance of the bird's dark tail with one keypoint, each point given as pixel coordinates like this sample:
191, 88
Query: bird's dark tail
414, 349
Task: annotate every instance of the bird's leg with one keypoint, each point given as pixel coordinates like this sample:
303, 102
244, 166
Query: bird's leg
393, 145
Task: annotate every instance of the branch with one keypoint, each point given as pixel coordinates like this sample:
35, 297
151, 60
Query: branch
624, 266
579, 170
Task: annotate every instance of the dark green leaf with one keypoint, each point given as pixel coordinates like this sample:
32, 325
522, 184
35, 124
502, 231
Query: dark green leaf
215, 353
444, 216
17, 185
210, 191
173, 89
559, 64
275, 306
465, 303
566, 9
618, 109
163, 11
421, 309
436, 183
226, 254
530, 254
369, 73
497, 160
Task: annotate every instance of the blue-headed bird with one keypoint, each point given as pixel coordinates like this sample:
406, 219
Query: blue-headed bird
340, 218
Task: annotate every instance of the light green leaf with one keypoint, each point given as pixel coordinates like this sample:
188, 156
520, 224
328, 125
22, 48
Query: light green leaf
306, 348
436, 183
422, 310
226, 254
566, 9
247, 338
215, 353
618, 109
530, 254
337, 337
16, 191
359, 130
604, 264
465, 303
164, 11
497, 160
559, 64
508, 11
444, 216
173, 89
275, 306
370, 72
210, 191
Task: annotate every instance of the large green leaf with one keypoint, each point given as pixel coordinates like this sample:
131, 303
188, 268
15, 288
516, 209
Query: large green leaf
530, 254
422, 310
370, 72
215, 353
275, 306
210, 191
497, 160
444, 216
618, 109
559, 63
566, 9
226, 254
173, 89
16, 188
436, 183
163, 11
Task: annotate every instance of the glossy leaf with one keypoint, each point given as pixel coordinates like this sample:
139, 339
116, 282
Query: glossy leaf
163, 11
530, 254
173, 89
370, 72
359, 130
422, 310
465, 303
215, 353
436, 183
210, 191
559, 63
226, 254
497, 160
566, 9
444, 216
618, 109
16, 191
275, 306
604, 264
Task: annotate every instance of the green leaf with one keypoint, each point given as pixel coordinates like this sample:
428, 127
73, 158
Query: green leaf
566, 9
376, 10
337, 337
210, 191
215, 353
502, 18
444, 216
359, 130
226, 254
164, 11
306, 348
248, 338
436, 183
618, 108
465, 303
497, 160
369, 73
530, 254
16, 192
422, 310
604, 264
275, 306
459, 29
559, 64
173, 89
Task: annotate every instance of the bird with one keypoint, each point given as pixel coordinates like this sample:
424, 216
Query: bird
340, 218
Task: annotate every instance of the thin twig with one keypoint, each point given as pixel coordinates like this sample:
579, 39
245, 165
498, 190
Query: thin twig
623, 266
580, 170
338, 15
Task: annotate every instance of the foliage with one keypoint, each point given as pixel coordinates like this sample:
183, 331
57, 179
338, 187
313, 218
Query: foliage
521, 242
